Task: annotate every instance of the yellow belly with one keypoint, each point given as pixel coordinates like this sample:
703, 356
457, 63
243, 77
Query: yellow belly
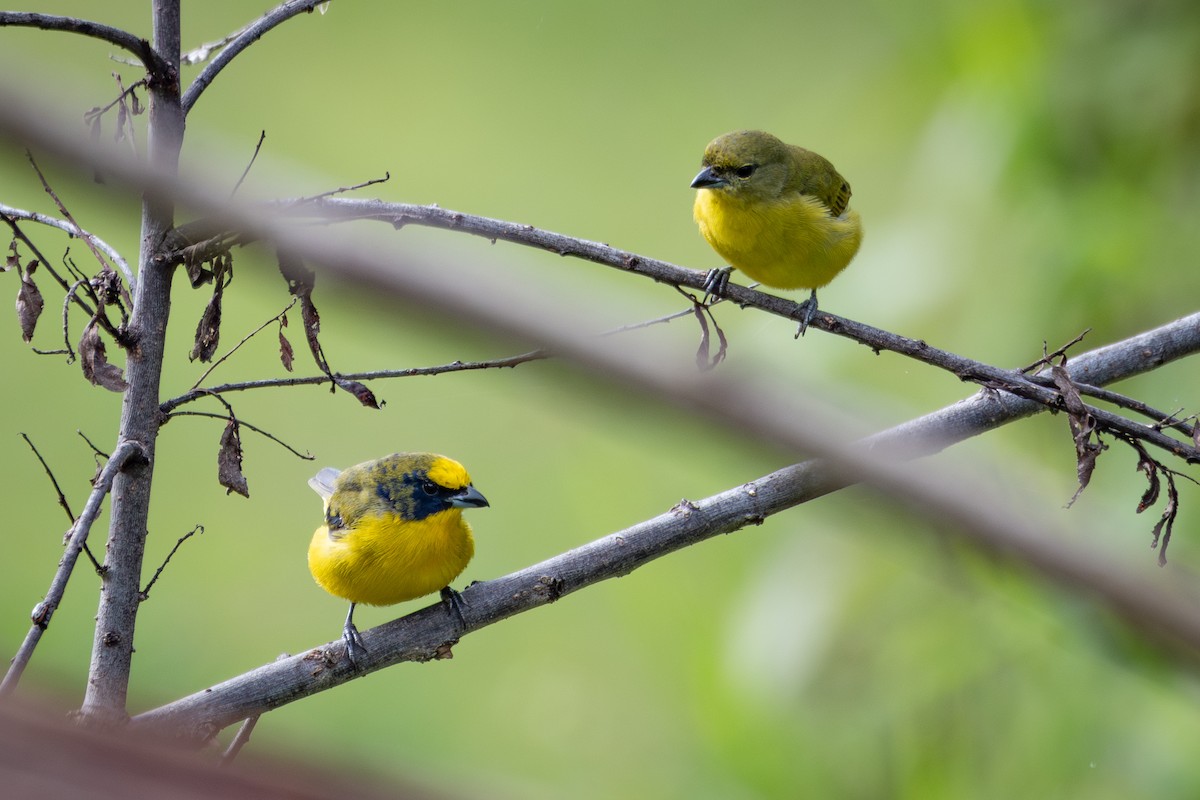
788, 244
386, 560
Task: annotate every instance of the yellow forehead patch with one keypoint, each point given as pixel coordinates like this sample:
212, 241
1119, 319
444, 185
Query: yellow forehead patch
449, 473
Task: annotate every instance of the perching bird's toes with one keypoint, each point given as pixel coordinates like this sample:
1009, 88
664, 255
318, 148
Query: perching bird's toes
715, 284
456, 602
808, 311
356, 651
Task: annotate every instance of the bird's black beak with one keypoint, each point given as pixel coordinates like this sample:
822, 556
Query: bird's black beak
707, 179
468, 498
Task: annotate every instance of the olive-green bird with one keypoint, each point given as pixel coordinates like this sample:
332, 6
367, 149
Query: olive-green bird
777, 212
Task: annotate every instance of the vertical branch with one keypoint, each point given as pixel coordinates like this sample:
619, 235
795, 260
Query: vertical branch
112, 648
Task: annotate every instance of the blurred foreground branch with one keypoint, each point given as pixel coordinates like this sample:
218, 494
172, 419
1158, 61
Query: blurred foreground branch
750, 404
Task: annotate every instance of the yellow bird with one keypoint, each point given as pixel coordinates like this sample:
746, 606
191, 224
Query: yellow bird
393, 532
777, 212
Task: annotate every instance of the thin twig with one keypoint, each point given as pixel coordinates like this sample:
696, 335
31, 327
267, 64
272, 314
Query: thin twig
242, 423
245, 339
239, 740
274, 383
62, 501
44, 610
127, 114
72, 294
125, 127
99, 111
62, 498
1047, 359
262, 137
634, 326
240, 41
62, 208
145, 594
387, 176
95, 449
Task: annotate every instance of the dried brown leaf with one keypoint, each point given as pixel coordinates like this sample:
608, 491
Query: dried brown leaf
359, 390
1164, 527
286, 353
122, 121
208, 329
1150, 496
1082, 425
29, 303
12, 260
95, 364
229, 461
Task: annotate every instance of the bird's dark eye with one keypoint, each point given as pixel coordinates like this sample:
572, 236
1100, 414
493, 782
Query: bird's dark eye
746, 170
429, 487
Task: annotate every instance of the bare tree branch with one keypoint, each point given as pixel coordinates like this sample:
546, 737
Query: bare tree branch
77, 540
1036, 388
244, 424
104, 702
240, 41
114, 36
428, 633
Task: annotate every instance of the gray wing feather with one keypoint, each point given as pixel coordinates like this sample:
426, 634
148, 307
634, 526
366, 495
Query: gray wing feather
322, 483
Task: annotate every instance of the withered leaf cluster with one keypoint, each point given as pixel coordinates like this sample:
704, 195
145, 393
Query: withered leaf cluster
1088, 447
208, 329
301, 280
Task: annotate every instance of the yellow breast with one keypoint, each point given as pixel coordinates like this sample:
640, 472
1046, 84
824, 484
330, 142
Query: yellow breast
789, 243
385, 559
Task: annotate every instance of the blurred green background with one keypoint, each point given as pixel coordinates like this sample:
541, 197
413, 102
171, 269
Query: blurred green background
1025, 170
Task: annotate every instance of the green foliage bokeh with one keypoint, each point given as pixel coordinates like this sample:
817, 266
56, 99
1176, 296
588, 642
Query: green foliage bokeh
1025, 170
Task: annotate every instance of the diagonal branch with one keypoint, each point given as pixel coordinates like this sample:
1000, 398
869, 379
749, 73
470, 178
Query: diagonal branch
240, 41
1034, 388
428, 633
44, 610
72, 228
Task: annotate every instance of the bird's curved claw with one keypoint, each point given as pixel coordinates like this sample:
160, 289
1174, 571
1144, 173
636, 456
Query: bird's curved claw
808, 311
356, 651
456, 602
715, 284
